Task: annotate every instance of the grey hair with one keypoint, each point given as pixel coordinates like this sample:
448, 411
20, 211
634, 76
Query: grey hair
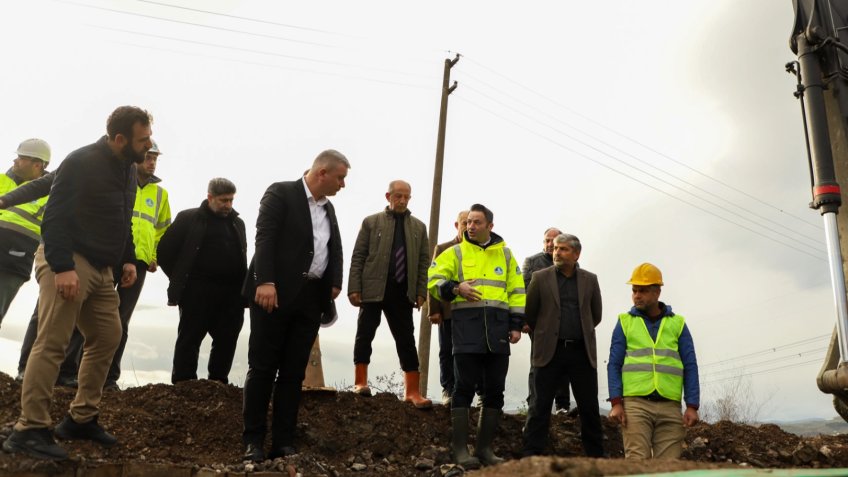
220, 186
397, 182
329, 159
558, 231
570, 240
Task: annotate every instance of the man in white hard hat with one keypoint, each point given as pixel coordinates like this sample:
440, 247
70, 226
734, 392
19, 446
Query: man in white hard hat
20, 227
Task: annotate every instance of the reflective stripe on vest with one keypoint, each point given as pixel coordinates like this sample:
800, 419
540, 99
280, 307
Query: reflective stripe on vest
652, 366
24, 218
495, 291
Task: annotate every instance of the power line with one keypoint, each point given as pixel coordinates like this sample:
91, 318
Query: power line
250, 50
626, 153
681, 189
818, 351
199, 25
255, 20
649, 148
768, 350
646, 184
269, 65
765, 371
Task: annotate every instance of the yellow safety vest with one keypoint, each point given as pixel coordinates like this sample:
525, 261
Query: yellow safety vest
151, 218
652, 366
497, 273
24, 218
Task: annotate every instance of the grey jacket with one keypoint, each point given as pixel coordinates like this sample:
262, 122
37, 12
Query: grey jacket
369, 265
534, 263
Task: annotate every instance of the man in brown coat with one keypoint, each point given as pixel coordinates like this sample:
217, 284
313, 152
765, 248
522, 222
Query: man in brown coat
563, 308
388, 274
440, 312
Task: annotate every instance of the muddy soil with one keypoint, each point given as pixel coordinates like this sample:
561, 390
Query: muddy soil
197, 425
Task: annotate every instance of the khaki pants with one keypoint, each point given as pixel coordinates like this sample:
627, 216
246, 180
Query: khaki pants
95, 313
654, 429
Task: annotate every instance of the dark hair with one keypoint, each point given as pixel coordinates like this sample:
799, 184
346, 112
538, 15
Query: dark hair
490, 217
220, 186
121, 121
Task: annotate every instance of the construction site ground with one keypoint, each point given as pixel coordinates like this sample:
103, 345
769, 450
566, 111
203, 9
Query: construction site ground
194, 428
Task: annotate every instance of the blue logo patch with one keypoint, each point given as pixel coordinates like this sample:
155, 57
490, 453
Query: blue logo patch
149, 202
433, 265
498, 271
518, 270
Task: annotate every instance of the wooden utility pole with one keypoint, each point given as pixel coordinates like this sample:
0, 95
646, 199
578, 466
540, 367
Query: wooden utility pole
433, 237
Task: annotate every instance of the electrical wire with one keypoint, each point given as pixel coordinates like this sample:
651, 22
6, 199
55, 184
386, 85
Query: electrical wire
646, 184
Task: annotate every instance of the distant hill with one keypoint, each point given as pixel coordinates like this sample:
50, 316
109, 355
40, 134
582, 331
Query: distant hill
814, 427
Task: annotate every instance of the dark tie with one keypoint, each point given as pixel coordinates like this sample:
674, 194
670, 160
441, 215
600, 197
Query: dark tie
400, 264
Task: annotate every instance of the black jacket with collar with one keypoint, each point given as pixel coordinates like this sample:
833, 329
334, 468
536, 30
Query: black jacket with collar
179, 246
284, 247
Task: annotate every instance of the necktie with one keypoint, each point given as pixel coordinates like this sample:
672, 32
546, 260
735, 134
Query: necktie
400, 263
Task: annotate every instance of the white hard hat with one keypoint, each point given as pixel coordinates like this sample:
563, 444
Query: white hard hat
155, 148
37, 148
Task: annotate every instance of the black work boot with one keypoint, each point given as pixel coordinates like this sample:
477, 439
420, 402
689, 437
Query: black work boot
459, 439
486, 427
69, 429
36, 443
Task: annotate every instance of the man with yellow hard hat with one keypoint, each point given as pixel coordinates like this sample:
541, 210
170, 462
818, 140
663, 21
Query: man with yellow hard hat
652, 365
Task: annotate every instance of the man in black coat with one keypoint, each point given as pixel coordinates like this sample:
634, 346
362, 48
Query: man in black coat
295, 275
204, 254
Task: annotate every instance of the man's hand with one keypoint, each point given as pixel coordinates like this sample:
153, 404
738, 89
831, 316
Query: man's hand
355, 299
467, 291
152, 267
514, 336
618, 415
690, 417
266, 297
67, 284
525, 328
128, 275
419, 301
336, 291
435, 318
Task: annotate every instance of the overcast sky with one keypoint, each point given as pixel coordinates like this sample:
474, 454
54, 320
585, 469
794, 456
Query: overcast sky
658, 131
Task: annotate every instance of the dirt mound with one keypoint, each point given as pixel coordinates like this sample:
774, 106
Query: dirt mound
197, 425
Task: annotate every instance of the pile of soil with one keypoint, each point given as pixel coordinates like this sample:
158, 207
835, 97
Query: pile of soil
196, 426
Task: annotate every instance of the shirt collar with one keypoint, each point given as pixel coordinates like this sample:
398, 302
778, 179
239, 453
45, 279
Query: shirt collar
309, 196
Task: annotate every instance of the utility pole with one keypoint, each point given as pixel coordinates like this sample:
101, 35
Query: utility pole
433, 236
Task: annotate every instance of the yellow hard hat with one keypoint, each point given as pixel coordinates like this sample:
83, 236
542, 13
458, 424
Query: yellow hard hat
646, 274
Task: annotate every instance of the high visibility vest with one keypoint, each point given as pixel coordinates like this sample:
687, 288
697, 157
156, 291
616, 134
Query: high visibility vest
150, 219
24, 218
498, 275
652, 366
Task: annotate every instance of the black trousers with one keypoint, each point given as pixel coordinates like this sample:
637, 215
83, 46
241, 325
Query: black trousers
475, 371
280, 343
398, 312
562, 400
569, 363
210, 308
446, 378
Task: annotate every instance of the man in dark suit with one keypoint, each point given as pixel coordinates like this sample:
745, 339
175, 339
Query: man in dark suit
563, 308
295, 275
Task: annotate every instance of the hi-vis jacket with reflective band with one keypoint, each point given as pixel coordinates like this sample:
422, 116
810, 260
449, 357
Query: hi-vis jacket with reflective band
484, 325
24, 218
652, 366
151, 217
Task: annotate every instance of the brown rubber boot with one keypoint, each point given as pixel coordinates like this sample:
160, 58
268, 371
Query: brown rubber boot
360, 384
413, 394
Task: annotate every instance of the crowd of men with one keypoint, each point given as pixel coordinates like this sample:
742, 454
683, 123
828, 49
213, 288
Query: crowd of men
93, 229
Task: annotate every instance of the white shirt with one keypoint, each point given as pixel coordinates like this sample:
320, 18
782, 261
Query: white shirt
320, 233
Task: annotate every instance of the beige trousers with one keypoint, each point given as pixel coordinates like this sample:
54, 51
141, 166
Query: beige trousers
654, 429
95, 313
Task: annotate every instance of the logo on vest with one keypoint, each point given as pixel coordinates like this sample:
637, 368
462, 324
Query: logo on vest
149, 202
498, 271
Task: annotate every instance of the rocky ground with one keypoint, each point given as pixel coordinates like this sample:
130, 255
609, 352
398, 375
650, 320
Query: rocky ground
197, 425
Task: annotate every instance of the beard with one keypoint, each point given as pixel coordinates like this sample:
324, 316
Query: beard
129, 153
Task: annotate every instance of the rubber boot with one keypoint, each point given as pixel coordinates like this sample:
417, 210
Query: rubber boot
486, 427
360, 384
413, 393
459, 439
